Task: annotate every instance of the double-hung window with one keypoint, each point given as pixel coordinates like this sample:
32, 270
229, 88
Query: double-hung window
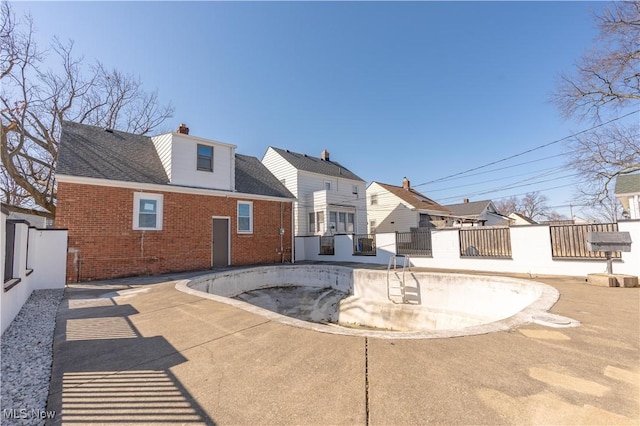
205, 158
147, 211
312, 223
245, 217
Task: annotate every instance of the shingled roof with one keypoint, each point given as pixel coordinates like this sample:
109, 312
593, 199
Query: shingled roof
473, 208
90, 151
414, 198
628, 184
316, 165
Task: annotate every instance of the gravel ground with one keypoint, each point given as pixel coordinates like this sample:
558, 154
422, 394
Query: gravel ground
26, 359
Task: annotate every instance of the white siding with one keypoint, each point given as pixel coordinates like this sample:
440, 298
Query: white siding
184, 164
283, 170
163, 147
391, 213
309, 189
313, 197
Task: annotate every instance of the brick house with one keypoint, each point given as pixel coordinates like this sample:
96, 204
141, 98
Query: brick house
138, 205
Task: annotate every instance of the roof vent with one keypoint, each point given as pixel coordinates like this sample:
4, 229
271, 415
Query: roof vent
108, 130
183, 129
325, 155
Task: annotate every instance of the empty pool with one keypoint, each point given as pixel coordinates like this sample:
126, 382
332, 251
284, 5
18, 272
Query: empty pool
380, 303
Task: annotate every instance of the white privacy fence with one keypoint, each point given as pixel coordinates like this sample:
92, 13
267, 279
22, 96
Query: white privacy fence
522, 249
32, 259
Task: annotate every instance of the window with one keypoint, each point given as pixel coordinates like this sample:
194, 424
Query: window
245, 217
374, 199
320, 221
147, 211
354, 189
372, 226
312, 223
327, 185
344, 222
205, 158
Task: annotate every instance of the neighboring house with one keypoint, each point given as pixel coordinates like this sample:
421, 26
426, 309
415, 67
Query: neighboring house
331, 198
627, 191
518, 219
400, 208
145, 205
477, 213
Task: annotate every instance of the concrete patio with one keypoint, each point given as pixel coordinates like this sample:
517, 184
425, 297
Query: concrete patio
137, 350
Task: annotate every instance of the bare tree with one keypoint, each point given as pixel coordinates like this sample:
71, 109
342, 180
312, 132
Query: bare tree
508, 205
534, 205
602, 155
607, 78
606, 81
34, 102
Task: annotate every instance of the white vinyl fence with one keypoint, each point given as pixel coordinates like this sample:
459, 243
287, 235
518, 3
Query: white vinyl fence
32, 259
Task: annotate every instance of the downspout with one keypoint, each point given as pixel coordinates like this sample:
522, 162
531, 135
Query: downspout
281, 231
293, 239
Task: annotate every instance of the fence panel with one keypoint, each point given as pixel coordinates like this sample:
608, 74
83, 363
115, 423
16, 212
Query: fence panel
485, 241
327, 245
570, 241
364, 245
414, 243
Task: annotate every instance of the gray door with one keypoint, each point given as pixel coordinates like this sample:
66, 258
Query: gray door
220, 242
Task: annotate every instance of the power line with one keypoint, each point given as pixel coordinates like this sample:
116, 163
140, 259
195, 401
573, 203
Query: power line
530, 150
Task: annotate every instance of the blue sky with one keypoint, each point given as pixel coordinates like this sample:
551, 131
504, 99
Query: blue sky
416, 89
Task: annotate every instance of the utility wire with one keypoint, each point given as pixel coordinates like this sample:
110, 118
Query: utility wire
531, 150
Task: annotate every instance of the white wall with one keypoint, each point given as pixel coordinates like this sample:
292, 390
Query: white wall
530, 248
178, 153
40, 259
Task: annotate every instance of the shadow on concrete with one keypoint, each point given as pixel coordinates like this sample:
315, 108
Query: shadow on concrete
105, 372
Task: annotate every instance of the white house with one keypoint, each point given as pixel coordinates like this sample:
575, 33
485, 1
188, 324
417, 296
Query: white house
628, 193
474, 213
394, 208
330, 198
519, 219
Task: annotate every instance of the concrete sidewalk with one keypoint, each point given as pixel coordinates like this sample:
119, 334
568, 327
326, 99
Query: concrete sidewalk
138, 351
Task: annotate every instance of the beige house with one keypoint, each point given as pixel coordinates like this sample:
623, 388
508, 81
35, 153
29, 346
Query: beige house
518, 219
392, 208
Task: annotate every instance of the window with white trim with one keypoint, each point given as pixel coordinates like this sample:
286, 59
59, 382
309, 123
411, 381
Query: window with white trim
327, 185
372, 226
147, 211
245, 217
374, 199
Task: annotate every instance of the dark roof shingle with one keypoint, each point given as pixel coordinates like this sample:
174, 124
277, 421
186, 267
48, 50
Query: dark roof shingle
473, 208
316, 165
90, 151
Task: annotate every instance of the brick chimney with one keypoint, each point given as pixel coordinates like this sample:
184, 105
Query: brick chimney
325, 155
406, 184
183, 129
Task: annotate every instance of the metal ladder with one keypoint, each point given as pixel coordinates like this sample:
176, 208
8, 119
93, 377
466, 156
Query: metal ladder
393, 260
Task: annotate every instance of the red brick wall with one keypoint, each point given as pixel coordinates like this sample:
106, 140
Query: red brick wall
103, 244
